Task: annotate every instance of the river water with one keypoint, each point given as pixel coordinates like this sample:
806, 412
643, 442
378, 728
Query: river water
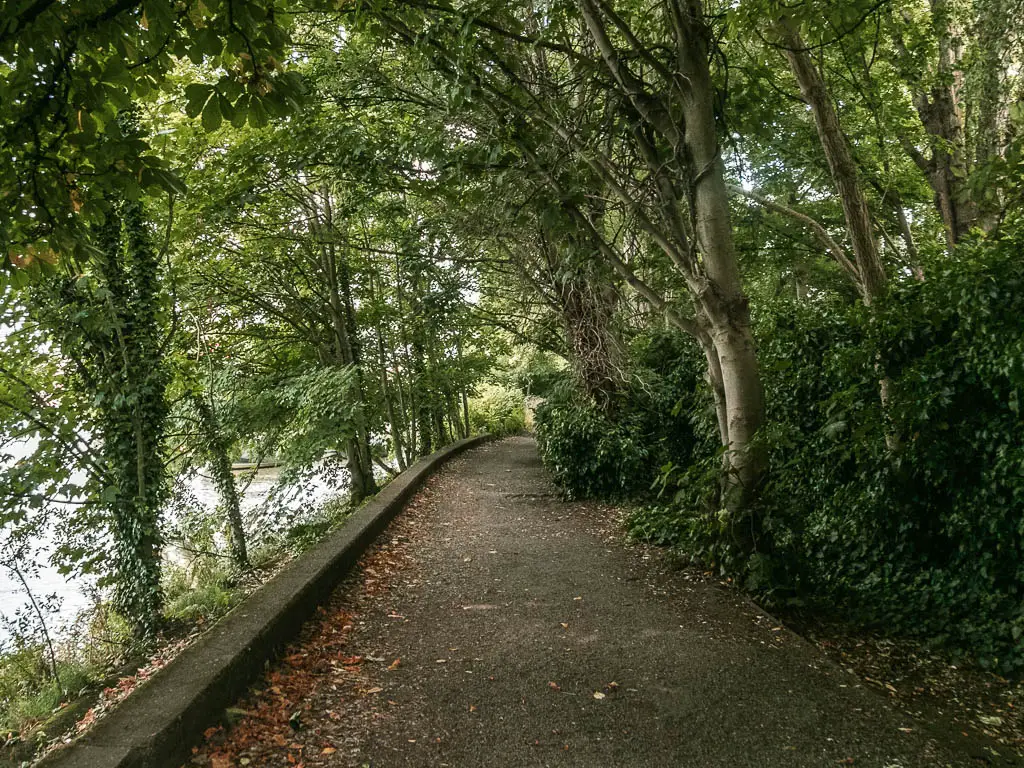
75, 595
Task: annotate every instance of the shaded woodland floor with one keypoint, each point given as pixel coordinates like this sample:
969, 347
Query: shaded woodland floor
494, 625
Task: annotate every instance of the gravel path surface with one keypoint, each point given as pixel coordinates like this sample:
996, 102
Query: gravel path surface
498, 626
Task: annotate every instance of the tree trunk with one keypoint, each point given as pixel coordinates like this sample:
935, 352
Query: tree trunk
870, 274
467, 429
389, 406
437, 412
407, 407
336, 273
423, 409
940, 112
700, 244
215, 448
725, 305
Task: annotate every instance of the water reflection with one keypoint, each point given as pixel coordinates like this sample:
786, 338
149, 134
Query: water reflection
263, 490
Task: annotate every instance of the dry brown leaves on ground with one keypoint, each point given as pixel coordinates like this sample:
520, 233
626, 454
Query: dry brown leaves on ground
289, 719
927, 684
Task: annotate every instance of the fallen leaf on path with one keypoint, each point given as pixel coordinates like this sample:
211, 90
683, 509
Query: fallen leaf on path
598, 695
394, 664
328, 751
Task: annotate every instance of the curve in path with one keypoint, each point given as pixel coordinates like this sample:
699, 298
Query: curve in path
498, 626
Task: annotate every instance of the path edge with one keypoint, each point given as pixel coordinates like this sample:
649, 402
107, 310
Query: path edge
157, 725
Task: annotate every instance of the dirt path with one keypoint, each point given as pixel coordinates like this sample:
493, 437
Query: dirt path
497, 626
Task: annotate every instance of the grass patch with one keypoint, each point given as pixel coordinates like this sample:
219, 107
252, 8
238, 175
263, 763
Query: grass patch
28, 692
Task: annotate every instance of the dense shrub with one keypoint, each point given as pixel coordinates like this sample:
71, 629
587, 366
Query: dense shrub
497, 410
587, 452
910, 516
657, 421
669, 399
925, 537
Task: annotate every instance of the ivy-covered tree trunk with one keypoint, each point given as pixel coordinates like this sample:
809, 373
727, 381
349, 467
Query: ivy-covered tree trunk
130, 379
216, 449
991, 95
586, 298
362, 437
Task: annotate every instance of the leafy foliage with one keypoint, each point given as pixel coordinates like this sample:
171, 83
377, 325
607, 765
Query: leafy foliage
906, 516
659, 421
587, 453
930, 536
497, 411
69, 72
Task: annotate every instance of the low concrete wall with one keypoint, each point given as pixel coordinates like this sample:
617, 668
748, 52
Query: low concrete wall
159, 723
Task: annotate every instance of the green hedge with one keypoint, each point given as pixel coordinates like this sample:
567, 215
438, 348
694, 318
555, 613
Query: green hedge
909, 517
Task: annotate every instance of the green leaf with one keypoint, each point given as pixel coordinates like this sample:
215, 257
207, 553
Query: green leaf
197, 95
258, 117
212, 115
